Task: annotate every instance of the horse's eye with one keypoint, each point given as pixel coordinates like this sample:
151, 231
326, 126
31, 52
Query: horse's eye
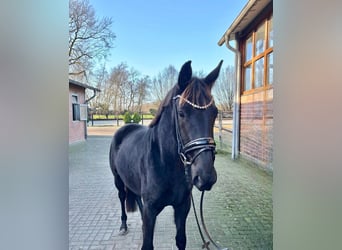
181, 113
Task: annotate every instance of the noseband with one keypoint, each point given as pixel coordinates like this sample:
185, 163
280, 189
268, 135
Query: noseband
200, 144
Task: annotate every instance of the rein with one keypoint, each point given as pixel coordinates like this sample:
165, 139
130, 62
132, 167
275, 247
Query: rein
200, 145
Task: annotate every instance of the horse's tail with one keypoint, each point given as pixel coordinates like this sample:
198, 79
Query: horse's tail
131, 204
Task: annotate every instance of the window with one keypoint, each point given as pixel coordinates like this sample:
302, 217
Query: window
249, 49
270, 32
248, 71
270, 68
258, 57
260, 39
259, 72
75, 108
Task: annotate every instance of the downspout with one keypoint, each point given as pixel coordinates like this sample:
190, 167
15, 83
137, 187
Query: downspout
88, 100
85, 122
236, 107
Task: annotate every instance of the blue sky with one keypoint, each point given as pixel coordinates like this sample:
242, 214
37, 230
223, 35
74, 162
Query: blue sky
153, 34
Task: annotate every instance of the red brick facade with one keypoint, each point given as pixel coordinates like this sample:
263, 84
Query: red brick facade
76, 128
253, 31
256, 127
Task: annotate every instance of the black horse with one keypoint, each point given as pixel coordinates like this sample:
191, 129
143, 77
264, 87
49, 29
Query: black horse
162, 162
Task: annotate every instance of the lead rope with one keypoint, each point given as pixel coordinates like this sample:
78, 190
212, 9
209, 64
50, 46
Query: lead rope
205, 243
205, 228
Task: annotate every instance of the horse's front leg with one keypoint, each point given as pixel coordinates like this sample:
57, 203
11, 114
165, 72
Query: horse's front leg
181, 213
149, 220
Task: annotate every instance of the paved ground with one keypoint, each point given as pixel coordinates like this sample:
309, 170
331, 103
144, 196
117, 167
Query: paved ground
238, 210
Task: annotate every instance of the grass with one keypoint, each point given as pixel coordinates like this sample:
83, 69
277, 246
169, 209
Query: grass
222, 151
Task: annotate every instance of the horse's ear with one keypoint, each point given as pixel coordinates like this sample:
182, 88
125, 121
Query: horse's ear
185, 75
212, 76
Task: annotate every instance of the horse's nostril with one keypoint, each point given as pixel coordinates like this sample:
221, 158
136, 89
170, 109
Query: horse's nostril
196, 180
204, 184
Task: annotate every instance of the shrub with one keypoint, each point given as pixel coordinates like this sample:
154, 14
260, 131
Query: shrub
127, 117
136, 118
131, 118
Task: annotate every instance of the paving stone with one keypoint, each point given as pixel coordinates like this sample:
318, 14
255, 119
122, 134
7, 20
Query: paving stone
237, 211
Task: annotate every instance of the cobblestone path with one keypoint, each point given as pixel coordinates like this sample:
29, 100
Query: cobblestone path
237, 211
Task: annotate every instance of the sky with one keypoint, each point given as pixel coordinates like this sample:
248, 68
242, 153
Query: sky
153, 34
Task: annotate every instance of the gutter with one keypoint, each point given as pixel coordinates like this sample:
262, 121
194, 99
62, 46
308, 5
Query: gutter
236, 25
236, 108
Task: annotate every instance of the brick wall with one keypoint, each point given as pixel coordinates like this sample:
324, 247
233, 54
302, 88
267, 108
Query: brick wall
256, 128
76, 128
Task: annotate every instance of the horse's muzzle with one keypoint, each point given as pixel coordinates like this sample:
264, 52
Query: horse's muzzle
204, 182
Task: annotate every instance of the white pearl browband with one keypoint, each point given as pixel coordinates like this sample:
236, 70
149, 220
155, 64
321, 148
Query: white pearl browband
195, 105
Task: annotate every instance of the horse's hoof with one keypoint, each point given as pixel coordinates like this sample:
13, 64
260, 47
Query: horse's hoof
123, 232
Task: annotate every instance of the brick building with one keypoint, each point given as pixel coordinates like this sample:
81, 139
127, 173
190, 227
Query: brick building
78, 107
252, 31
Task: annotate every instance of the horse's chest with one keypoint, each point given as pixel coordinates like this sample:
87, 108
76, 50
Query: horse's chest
176, 193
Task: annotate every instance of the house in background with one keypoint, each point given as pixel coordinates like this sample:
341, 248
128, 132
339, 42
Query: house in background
252, 31
78, 107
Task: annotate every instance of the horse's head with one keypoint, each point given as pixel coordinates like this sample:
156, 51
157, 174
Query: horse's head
195, 114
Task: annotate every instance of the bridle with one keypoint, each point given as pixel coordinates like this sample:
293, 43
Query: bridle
197, 145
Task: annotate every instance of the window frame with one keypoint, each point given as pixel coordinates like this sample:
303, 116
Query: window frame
75, 108
265, 20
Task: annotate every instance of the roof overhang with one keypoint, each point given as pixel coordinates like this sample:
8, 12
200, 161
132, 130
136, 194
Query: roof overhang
79, 84
251, 10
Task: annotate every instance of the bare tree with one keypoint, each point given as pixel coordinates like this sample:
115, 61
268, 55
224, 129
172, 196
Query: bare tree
136, 89
100, 80
132, 88
90, 38
123, 90
163, 82
142, 88
117, 87
199, 73
223, 88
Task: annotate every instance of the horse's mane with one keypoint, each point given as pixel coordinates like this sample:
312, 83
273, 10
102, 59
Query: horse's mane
197, 91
